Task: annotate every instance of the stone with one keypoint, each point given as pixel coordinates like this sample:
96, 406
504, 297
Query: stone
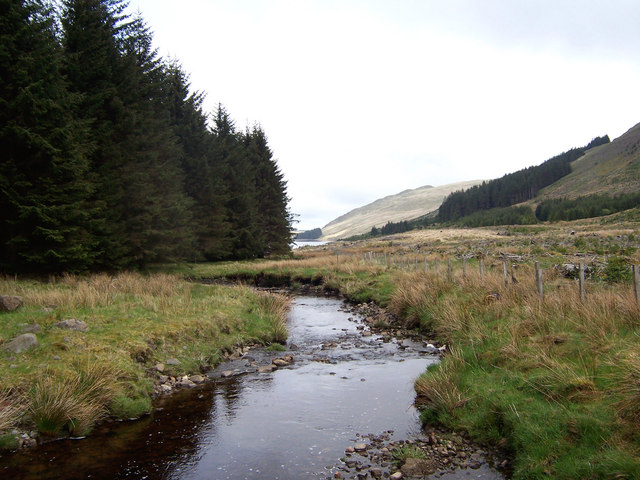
197, 379
418, 467
266, 368
22, 343
376, 472
33, 328
349, 449
396, 476
172, 361
159, 367
227, 373
279, 362
73, 324
9, 303
360, 447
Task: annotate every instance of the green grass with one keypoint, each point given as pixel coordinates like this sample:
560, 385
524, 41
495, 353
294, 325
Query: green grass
135, 322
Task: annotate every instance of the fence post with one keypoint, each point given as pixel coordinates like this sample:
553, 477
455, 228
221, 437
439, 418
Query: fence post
636, 282
583, 292
506, 273
539, 283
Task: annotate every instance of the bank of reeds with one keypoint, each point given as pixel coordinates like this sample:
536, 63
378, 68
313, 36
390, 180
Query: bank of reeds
74, 379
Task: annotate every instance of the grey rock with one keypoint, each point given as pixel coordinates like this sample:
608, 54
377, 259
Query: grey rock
72, 324
22, 343
172, 361
227, 374
33, 328
197, 379
9, 303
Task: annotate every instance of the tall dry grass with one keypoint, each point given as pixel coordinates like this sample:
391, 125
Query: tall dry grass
97, 290
76, 402
275, 307
11, 410
438, 388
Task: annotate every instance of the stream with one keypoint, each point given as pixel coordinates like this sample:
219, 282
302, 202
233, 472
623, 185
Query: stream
292, 423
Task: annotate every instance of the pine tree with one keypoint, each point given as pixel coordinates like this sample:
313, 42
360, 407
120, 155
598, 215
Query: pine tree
273, 219
230, 154
203, 172
43, 190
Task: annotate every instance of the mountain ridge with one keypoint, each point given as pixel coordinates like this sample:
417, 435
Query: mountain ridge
405, 205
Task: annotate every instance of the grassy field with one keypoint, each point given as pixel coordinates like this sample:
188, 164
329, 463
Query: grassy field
552, 381
73, 379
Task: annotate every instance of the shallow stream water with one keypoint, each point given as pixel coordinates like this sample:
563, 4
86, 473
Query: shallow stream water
292, 423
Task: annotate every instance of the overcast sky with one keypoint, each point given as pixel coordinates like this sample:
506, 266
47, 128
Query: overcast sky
365, 98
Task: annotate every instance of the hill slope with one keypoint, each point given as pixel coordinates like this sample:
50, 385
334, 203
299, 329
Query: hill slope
608, 169
405, 205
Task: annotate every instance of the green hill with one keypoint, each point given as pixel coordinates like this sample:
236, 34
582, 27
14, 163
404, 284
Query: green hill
609, 169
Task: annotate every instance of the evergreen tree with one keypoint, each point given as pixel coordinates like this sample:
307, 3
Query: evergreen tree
93, 65
203, 172
230, 154
140, 210
43, 190
273, 219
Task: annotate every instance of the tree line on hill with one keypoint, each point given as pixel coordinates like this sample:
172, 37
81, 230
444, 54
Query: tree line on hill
512, 188
552, 210
108, 160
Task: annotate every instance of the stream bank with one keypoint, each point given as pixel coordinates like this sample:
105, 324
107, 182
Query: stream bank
291, 423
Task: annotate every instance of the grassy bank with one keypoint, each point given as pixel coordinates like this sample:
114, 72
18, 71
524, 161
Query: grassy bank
72, 379
554, 381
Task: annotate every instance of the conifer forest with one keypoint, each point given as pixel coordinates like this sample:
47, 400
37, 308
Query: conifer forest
108, 160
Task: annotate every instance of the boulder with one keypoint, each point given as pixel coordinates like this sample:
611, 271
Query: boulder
418, 467
72, 324
9, 303
22, 343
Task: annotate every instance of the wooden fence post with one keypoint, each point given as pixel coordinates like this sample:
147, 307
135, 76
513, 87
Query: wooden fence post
539, 283
636, 282
583, 291
506, 273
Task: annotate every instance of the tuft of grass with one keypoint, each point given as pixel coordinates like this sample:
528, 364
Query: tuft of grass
76, 403
11, 410
401, 454
437, 389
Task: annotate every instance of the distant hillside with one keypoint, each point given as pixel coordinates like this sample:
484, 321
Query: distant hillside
609, 169
405, 205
